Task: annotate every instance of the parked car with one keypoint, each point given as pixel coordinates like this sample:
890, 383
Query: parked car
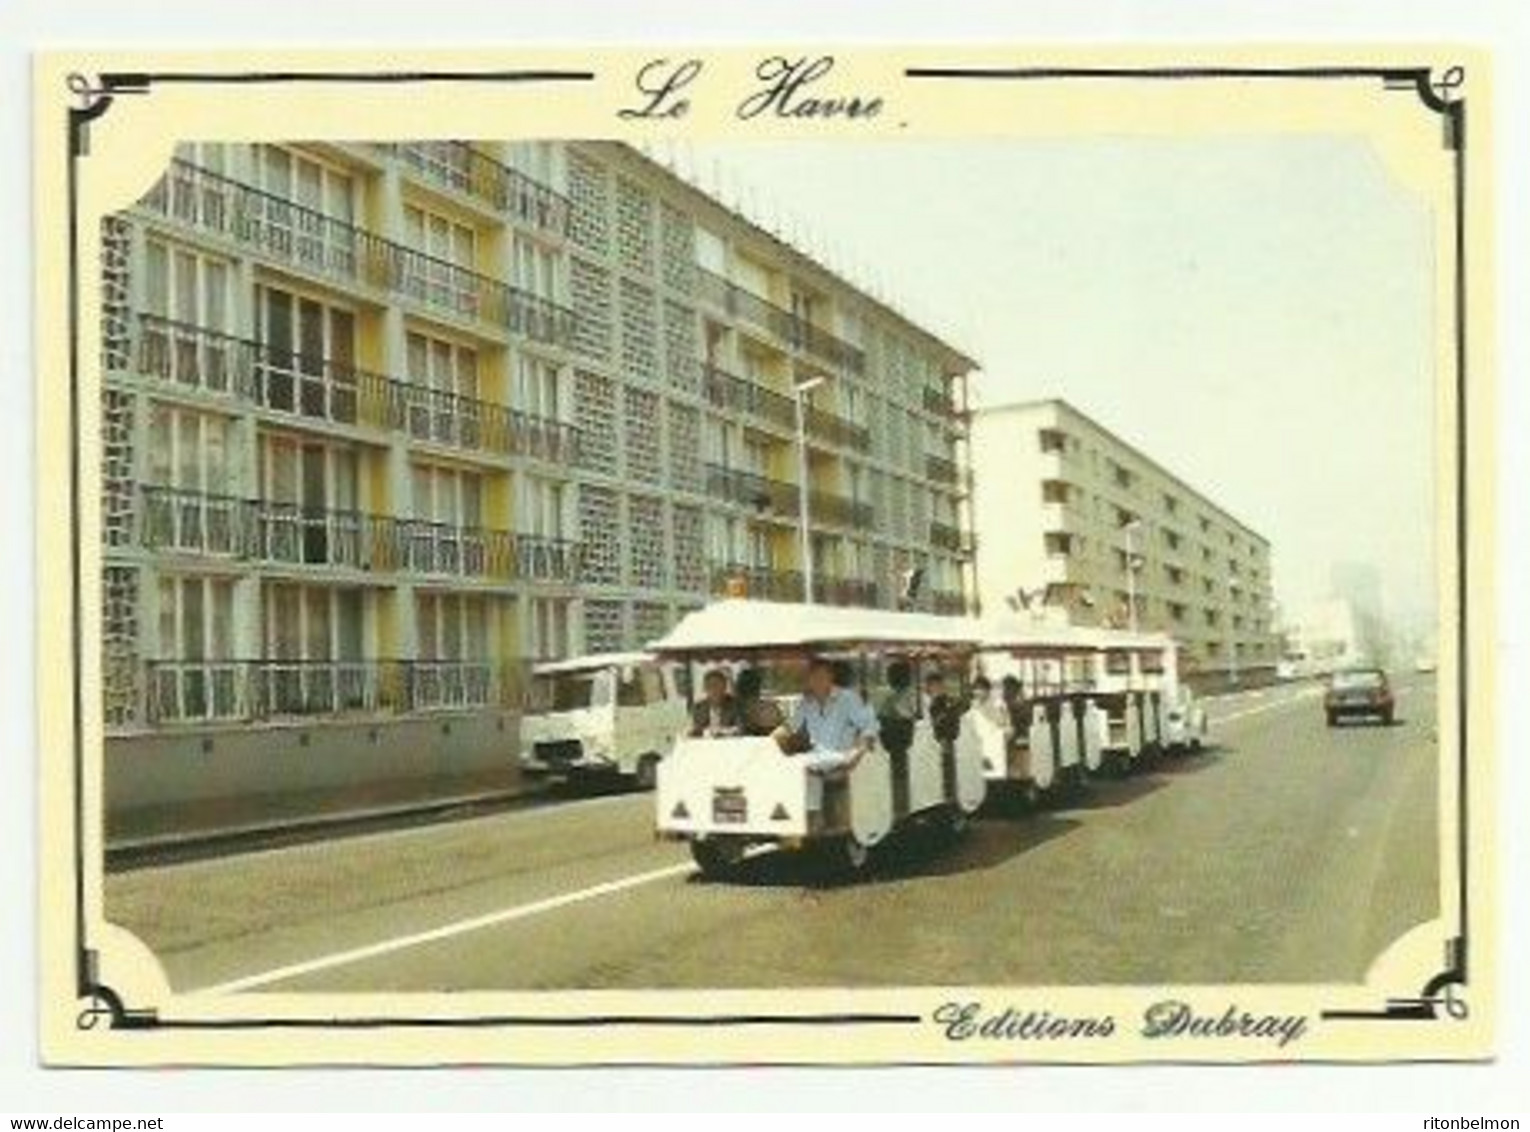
1359, 693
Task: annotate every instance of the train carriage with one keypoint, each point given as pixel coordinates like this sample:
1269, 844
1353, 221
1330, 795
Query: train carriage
725, 794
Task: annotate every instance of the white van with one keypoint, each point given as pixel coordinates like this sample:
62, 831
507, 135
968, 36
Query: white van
601, 715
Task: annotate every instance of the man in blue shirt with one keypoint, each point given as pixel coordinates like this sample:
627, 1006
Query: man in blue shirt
834, 718
836, 722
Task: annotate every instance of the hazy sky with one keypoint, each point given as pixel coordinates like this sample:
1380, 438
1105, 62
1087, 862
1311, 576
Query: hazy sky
1256, 313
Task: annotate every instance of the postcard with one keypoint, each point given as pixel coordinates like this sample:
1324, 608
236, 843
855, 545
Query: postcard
804, 555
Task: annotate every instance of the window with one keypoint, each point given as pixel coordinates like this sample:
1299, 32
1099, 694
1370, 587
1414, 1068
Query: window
1170, 504
539, 507
188, 294
196, 617
762, 553
537, 160
547, 629
196, 641
629, 690
1053, 440
443, 390
450, 496
445, 277
1171, 539
319, 234
538, 387
309, 491
313, 623
711, 252
307, 360
188, 450
1054, 491
451, 627
1058, 544
536, 268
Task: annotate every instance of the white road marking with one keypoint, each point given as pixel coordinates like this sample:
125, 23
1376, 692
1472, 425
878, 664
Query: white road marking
447, 931
1306, 694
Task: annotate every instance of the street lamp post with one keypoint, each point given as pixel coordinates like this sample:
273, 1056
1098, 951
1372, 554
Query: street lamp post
800, 390
1131, 530
1232, 661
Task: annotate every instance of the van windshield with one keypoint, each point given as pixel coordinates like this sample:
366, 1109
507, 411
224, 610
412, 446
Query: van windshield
563, 691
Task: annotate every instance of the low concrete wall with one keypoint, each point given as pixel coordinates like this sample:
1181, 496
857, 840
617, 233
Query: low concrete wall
185, 781
1218, 684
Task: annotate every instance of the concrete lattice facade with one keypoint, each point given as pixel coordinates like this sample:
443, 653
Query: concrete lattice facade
383, 423
1064, 508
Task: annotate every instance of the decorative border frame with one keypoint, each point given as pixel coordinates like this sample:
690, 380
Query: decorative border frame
1439, 998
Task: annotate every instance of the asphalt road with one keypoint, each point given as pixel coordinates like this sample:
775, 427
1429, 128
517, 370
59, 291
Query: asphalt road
1288, 853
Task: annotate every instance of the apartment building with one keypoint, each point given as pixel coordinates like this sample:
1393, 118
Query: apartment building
1074, 520
384, 423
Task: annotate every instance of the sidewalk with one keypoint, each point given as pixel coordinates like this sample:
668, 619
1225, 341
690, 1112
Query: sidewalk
232, 818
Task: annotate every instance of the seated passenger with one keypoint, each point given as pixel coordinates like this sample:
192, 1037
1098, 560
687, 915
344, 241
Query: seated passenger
1014, 704
756, 715
944, 709
837, 726
898, 708
717, 712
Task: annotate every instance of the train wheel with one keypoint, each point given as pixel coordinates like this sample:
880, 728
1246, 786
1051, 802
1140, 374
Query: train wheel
715, 857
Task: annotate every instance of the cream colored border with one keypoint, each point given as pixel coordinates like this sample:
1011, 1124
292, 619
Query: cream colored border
130, 143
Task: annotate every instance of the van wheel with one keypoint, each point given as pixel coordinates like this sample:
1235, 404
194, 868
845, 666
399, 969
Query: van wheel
851, 854
714, 857
648, 772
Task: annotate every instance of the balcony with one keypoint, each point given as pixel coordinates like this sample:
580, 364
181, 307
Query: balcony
753, 490
941, 470
766, 583
303, 386
948, 602
740, 302
322, 245
211, 691
833, 509
761, 583
729, 391
943, 536
845, 591
178, 521
545, 558
937, 401
459, 167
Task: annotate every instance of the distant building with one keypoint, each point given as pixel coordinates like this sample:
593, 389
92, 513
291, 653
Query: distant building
1324, 637
1072, 520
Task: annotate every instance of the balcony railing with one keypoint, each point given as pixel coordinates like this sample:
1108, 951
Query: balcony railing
202, 691
767, 583
458, 166
306, 386
844, 591
941, 470
324, 245
753, 490
548, 559
948, 601
946, 537
839, 510
262, 530
762, 583
743, 303
729, 391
